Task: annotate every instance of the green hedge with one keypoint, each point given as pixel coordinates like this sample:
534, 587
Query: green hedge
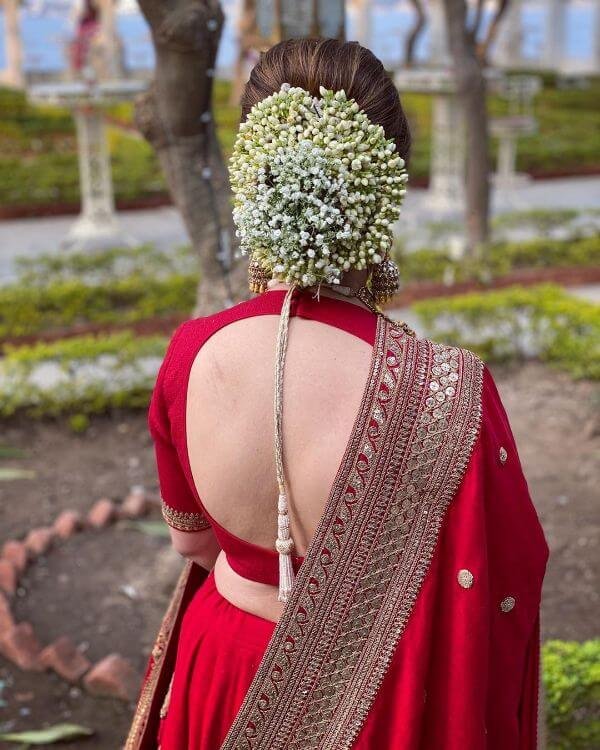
80, 376
572, 684
51, 175
500, 259
516, 323
27, 309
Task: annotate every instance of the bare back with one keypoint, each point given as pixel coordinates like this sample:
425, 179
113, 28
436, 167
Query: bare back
230, 432
230, 422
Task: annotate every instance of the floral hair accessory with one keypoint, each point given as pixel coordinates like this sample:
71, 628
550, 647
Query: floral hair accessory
317, 186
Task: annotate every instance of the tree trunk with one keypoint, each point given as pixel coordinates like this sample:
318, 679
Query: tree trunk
175, 116
472, 93
246, 26
414, 33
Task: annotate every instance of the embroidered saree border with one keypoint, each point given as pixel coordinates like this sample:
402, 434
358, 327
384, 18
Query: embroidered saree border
354, 593
149, 688
184, 521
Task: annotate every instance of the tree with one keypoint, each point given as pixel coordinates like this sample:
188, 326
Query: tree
486, 43
414, 33
175, 116
471, 87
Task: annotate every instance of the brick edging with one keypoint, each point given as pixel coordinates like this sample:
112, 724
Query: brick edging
112, 675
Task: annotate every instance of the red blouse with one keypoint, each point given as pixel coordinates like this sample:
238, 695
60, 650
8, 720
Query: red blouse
182, 506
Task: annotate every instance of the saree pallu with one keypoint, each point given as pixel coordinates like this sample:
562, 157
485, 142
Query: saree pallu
413, 622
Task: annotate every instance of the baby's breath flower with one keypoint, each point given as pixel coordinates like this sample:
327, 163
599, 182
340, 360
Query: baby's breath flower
317, 188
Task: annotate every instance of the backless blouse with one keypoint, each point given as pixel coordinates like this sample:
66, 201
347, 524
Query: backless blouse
181, 504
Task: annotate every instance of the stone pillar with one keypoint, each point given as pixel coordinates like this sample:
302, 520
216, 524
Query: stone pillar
107, 46
553, 55
447, 170
508, 51
439, 54
286, 19
12, 75
97, 224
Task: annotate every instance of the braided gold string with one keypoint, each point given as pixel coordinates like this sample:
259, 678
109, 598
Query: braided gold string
284, 542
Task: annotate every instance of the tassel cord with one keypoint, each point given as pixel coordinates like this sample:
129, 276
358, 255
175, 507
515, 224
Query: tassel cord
284, 543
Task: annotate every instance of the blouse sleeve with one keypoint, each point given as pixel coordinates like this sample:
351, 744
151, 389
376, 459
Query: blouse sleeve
180, 508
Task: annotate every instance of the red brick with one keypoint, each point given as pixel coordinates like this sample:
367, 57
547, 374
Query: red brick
101, 513
67, 523
113, 677
20, 646
16, 552
38, 541
8, 577
135, 504
6, 618
65, 659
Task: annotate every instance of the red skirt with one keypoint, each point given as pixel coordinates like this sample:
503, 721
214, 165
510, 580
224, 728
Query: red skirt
220, 648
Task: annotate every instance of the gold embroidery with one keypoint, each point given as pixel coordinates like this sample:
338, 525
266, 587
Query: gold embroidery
508, 604
465, 578
165, 706
408, 452
142, 712
184, 521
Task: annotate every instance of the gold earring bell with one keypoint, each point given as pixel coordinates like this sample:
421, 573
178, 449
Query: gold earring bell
257, 277
385, 281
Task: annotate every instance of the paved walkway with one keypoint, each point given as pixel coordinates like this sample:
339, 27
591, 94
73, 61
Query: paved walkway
164, 227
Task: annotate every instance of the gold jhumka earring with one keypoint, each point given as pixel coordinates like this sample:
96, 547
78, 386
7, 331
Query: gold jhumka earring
257, 277
385, 281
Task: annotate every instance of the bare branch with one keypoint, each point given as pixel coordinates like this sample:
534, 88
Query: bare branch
492, 31
414, 33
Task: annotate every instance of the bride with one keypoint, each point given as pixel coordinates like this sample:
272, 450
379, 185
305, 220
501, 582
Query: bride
364, 560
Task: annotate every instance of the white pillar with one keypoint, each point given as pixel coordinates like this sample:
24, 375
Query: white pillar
97, 223
447, 170
554, 35
439, 54
508, 51
12, 75
108, 42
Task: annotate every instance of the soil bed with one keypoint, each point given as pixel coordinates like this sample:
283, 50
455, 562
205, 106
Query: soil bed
109, 589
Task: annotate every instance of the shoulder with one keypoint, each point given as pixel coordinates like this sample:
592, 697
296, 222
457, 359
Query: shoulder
190, 337
453, 366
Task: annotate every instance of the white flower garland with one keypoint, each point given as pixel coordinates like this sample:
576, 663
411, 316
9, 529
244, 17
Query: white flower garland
317, 186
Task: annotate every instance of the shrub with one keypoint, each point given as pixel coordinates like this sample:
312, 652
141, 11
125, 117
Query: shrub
27, 309
515, 323
80, 376
572, 684
500, 259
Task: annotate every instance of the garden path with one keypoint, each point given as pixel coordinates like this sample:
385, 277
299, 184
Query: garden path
164, 227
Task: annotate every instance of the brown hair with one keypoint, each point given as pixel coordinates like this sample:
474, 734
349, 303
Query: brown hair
311, 63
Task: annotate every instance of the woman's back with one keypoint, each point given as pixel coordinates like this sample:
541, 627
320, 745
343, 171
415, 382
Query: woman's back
230, 422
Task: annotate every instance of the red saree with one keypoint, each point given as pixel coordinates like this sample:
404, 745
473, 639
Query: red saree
413, 622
